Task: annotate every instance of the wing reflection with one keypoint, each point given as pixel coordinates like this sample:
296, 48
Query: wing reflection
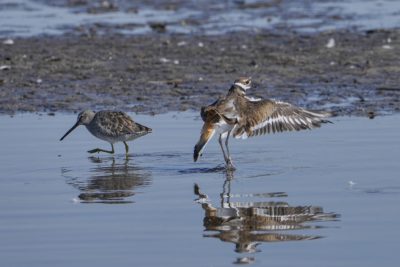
111, 182
249, 223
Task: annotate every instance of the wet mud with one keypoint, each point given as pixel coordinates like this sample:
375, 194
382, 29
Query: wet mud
189, 53
158, 73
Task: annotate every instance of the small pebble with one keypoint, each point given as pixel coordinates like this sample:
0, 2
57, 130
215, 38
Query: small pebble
106, 4
181, 43
331, 43
371, 115
164, 60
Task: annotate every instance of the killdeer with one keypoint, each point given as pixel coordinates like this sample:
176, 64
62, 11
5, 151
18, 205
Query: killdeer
241, 116
110, 126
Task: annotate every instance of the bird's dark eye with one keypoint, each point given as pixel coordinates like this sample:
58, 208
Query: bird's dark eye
247, 82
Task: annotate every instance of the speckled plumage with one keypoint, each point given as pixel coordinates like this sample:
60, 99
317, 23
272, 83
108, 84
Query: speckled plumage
115, 126
110, 126
241, 116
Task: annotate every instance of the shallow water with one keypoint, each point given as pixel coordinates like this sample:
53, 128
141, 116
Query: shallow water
327, 197
35, 17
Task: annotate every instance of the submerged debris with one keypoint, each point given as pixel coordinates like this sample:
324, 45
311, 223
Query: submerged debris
159, 27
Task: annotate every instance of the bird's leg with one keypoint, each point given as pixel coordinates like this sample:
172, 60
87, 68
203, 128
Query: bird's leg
228, 159
222, 147
126, 148
96, 150
227, 147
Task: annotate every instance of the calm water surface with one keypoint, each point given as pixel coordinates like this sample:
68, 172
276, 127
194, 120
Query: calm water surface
327, 197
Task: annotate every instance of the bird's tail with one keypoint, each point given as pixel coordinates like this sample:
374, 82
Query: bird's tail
207, 132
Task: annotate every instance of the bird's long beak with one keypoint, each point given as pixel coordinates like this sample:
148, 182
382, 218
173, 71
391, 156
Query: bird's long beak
207, 133
197, 149
70, 130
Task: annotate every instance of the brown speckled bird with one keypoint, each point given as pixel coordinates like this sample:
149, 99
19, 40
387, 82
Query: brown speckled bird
110, 126
241, 116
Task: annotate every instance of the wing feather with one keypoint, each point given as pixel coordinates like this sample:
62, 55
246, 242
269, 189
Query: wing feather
268, 116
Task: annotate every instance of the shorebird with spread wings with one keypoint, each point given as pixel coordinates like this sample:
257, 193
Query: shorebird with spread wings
241, 116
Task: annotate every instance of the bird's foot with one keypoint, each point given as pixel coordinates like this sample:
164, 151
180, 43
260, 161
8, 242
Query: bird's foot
97, 150
229, 165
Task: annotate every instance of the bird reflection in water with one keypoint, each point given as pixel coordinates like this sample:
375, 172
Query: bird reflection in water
248, 224
110, 181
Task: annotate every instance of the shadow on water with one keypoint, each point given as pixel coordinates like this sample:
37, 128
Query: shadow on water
387, 190
247, 224
221, 168
111, 180
217, 169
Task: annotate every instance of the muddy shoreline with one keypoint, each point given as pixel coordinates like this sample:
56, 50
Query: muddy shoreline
157, 73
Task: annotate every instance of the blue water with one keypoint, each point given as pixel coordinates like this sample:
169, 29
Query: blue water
62, 207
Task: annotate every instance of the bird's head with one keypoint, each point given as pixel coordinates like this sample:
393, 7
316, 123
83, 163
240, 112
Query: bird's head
84, 118
243, 83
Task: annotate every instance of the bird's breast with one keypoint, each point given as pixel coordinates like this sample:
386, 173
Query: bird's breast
223, 127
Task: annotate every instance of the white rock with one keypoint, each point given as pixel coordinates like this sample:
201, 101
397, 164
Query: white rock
331, 43
182, 43
8, 42
164, 60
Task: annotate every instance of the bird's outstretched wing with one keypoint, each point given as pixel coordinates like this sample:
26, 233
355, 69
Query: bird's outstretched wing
268, 116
